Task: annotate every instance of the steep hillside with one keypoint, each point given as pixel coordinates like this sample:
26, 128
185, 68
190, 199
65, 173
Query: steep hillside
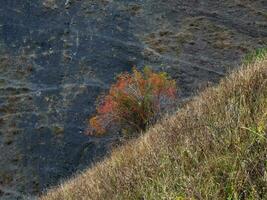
213, 148
56, 56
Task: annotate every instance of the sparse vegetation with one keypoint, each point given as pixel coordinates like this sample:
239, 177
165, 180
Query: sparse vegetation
214, 148
50, 4
133, 102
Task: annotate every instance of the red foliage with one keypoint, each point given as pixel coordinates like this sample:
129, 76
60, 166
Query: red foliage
134, 101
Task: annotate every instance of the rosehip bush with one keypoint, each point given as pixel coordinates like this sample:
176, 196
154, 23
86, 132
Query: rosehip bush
136, 100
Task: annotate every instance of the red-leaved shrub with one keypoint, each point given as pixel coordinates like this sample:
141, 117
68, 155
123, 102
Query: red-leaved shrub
134, 101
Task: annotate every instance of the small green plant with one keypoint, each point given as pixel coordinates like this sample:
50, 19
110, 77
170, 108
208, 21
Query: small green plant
258, 131
134, 101
257, 54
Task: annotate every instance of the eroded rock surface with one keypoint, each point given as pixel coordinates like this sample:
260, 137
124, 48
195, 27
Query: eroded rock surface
56, 56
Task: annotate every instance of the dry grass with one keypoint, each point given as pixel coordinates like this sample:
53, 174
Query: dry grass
50, 4
213, 148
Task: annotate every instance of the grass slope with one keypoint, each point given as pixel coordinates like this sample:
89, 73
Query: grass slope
213, 148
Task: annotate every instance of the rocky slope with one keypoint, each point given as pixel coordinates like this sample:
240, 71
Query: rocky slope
56, 56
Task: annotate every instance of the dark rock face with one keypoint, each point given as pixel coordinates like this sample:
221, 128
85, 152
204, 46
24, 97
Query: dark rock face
56, 56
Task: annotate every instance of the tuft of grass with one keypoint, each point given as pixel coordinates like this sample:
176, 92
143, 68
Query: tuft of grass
50, 4
215, 147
